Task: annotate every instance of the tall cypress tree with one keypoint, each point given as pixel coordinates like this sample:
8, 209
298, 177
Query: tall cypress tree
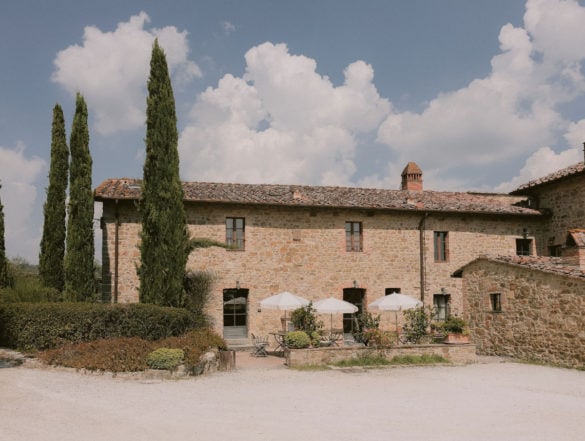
164, 245
53, 242
3, 260
79, 281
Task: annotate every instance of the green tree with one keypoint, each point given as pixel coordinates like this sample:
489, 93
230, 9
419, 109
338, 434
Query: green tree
164, 247
52, 255
79, 277
3, 260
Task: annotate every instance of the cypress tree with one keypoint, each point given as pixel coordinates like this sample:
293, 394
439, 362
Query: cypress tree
3, 260
164, 245
79, 280
53, 242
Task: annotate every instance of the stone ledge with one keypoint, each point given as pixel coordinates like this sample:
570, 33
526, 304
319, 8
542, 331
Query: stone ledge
456, 354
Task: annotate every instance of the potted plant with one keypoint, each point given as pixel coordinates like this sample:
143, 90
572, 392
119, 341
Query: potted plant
456, 330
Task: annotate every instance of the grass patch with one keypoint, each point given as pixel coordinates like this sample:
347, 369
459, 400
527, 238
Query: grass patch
366, 360
423, 359
312, 367
398, 360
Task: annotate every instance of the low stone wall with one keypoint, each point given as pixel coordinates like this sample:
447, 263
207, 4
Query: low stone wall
458, 354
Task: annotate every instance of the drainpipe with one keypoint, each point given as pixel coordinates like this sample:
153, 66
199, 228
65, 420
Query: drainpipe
116, 251
421, 229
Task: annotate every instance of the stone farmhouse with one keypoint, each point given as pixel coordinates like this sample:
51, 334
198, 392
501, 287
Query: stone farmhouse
356, 244
532, 307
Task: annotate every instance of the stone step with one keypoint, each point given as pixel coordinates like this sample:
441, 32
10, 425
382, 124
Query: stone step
240, 344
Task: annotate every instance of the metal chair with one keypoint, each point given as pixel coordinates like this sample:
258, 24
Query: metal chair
260, 344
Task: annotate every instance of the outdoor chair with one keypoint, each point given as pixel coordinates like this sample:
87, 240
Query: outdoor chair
260, 344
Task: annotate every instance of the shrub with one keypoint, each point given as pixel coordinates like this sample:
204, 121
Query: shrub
194, 344
39, 326
114, 355
305, 319
315, 338
197, 286
131, 354
417, 324
365, 323
165, 358
297, 340
379, 339
454, 324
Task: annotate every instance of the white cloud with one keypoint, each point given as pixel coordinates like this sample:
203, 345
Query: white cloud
541, 163
281, 122
512, 111
111, 70
18, 174
284, 122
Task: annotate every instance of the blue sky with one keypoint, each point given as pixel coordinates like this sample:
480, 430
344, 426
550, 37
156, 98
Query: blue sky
482, 95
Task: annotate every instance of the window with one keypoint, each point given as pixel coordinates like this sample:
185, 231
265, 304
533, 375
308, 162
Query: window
523, 247
353, 236
388, 291
234, 232
555, 250
496, 302
441, 304
441, 249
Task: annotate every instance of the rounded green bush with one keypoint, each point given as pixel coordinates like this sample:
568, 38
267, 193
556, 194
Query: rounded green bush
165, 358
297, 340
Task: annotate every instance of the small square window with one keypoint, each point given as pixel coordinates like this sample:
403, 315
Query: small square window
496, 302
523, 247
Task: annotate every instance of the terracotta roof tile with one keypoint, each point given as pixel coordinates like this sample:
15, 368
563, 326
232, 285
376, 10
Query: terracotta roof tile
335, 197
554, 265
556, 176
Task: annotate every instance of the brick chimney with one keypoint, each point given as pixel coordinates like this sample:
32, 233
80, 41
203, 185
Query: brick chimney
574, 249
412, 178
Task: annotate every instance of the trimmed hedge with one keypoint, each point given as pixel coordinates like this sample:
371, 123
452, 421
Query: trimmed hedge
37, 326
131, 354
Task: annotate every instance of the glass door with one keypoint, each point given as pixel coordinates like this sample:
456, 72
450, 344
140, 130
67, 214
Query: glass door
235, 313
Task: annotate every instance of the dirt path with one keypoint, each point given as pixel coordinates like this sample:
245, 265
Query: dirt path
480, 402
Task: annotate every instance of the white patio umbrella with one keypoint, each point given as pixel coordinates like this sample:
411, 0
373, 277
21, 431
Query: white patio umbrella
334, 306
395, 302
284, 301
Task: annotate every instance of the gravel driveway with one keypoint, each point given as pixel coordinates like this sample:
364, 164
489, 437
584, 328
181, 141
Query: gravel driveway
484, 401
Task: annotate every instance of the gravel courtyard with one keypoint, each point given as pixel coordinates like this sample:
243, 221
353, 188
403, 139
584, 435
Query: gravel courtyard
484, 401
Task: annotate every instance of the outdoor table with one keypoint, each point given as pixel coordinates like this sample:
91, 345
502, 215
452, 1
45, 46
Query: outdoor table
279, 339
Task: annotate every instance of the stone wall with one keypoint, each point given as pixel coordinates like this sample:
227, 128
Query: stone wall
566, 201
458, 354
542, 315
302, 250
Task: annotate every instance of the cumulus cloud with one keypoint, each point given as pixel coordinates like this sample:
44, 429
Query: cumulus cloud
512, 111
281, 122
540, 163
18, 174
111, 70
